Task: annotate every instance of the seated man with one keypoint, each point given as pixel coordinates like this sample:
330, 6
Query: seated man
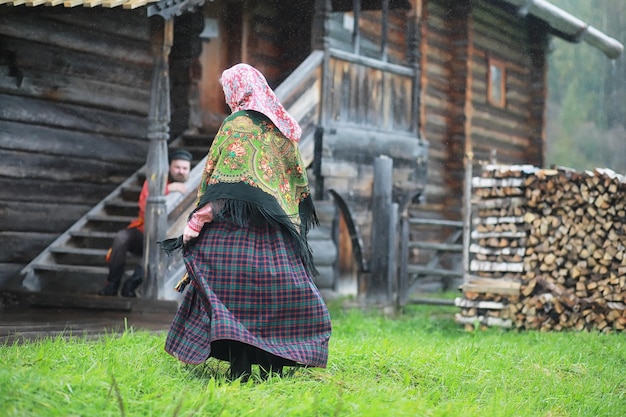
131, 238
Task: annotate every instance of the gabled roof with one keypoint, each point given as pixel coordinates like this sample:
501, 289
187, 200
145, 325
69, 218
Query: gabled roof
567, 26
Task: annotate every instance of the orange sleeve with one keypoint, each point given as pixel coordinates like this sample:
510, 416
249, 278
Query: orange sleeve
143, 198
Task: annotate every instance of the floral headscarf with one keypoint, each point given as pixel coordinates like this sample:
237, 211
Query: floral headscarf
245, 88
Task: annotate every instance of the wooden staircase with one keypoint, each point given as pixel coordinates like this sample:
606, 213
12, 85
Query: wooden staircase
75, 262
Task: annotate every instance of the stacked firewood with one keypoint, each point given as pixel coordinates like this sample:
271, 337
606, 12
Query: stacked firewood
497, 249
568, 255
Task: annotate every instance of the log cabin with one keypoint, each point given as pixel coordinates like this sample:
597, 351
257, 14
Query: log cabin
93, 93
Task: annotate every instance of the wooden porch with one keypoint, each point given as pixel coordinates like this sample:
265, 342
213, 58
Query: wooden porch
33, 316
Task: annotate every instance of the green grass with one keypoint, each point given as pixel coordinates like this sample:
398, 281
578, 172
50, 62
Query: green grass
420, 364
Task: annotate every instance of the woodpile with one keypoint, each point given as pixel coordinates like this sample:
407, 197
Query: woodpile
554, 240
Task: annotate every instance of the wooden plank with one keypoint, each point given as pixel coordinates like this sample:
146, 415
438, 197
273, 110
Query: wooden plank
491, 285
430, 301
484, 320
126, 24
38, 190
498, 220
17, 216
525, 169
488, 305
417, 269
494, 203
33, 165
343, 140
21, 247
435, 222
72, 144
8, 273
68, 89
485, 266
84, 301
474, 248
507, 235
479, 182
32, 27
69, 62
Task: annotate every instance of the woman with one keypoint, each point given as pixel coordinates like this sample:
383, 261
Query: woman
252, 299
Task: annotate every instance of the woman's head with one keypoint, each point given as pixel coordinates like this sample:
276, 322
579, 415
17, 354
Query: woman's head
245, 88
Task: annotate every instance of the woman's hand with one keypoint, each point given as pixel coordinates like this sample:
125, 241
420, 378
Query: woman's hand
189, 234
196, 222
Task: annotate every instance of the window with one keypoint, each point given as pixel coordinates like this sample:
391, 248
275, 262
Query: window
496, 83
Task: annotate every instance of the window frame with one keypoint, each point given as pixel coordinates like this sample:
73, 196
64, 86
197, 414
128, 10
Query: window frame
501, 66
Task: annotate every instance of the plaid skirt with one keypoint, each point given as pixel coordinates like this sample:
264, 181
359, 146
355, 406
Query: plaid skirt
249, 285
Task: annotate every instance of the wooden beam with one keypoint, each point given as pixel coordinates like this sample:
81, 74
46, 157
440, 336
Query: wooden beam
377, 290
157, 165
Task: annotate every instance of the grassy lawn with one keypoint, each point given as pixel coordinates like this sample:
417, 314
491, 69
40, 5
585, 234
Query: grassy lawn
420, 364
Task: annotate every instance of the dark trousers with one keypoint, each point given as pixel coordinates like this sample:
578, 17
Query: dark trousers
126, 240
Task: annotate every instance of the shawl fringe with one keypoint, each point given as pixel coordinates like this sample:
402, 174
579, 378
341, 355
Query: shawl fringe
244, 205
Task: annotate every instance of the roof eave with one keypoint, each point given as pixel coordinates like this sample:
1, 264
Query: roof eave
568, 26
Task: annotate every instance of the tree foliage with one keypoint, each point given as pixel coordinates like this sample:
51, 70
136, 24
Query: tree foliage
587, 93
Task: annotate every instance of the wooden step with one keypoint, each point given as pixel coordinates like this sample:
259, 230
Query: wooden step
72, 279
131, 193
91, 239
119, 207
106, 223
68, 255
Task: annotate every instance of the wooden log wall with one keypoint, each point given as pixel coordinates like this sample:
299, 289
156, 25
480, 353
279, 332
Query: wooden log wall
458, 37
511, 133
548, 250
365, 96
74, 88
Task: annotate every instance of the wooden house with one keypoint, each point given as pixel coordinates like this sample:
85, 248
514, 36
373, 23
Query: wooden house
94, 92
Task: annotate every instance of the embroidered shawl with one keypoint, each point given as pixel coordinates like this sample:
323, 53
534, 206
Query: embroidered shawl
254, 173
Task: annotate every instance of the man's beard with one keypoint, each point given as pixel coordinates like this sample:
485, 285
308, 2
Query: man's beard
178, 178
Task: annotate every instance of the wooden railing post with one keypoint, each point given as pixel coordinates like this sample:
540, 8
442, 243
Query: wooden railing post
157, 166
403, 259
378, 290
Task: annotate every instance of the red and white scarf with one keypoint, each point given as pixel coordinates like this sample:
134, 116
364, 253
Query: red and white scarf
245, 88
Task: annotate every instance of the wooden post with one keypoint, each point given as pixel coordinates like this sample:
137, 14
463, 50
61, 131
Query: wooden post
392, 255
467, 213
356, 29
321, 41
414, 52
377, 289
157, 166
403, 259
385, 29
